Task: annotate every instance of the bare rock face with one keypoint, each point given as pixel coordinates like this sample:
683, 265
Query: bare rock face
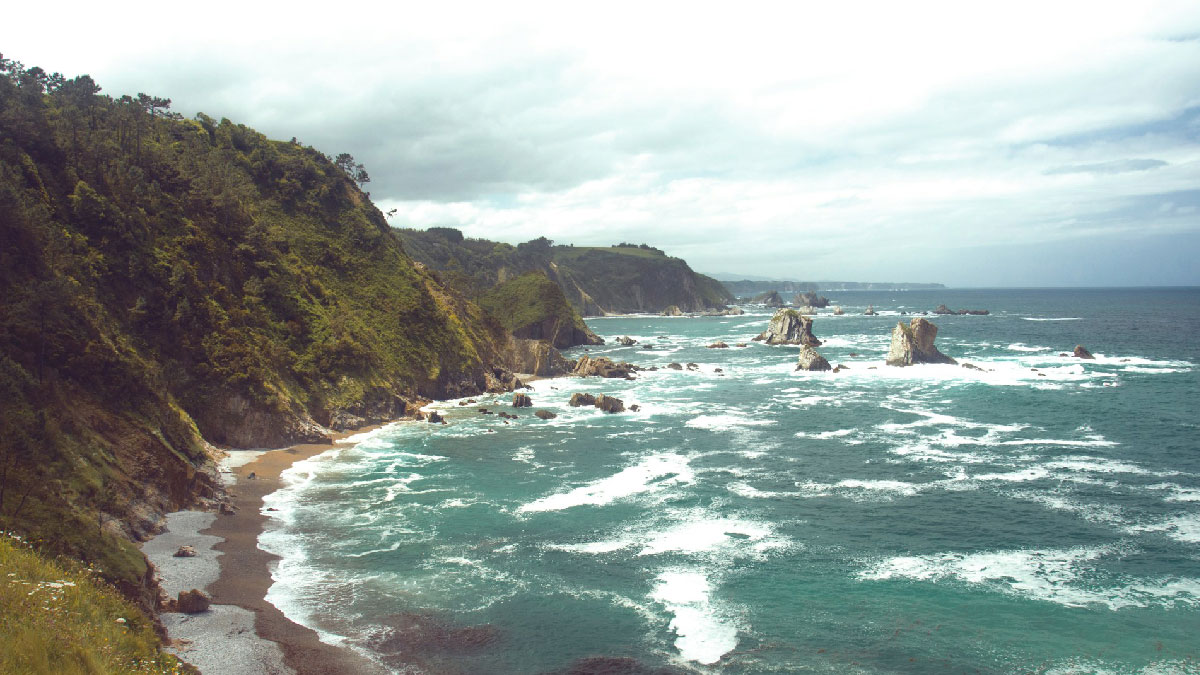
603, 367
913, 344
789, 327
610, 404
1081, 352
579, 399
810, 360
537, 357
193, 601
522, 400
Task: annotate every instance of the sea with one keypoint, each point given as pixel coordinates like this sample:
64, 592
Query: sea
1039, 515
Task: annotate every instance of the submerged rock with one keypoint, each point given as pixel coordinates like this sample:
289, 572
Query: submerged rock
545, 414
810, 360
1081, 352
913, 344
789, 327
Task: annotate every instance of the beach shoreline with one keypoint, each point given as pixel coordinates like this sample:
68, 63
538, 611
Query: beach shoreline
242, 631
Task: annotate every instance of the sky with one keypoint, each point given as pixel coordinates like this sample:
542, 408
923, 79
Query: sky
968, 143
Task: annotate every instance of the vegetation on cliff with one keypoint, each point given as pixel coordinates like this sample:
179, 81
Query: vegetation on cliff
164, 281
61, 618
594, 279
532, 307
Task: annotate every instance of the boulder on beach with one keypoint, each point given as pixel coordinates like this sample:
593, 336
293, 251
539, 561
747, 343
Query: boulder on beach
521, 400
913, 344
610, 404
789, 327
810, 360
1081, 352
193, 601
581, 399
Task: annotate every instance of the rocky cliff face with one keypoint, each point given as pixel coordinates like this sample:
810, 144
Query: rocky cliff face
913, 344
789, 327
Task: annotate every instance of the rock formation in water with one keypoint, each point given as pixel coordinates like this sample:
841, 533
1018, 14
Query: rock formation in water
601, 366
870, 311
913, 344
1081, 352
672, 310
521, 400
769, 298
810, 299
810, 360
610, 404
789, 327
943, 309
579, 399
626, 341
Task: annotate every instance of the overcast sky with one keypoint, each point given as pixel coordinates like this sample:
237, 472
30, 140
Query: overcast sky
1012, 143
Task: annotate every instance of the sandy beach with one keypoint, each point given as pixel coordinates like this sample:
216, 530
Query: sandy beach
242, 632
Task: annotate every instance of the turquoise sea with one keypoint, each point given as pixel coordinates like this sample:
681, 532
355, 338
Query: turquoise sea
1042, 515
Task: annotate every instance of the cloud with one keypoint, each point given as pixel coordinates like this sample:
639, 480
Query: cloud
841, 139
1115, 166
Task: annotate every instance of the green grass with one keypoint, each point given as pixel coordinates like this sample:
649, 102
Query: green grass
58, 618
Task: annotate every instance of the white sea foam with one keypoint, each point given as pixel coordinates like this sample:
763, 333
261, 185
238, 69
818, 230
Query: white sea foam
727, 422
823, 435
1062, 576
705, 534
1022, 347
1089, 464
1183, 527
652, 473
1060, 318
704, 636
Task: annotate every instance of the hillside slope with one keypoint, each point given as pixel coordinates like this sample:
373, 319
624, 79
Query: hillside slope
167, 281
533, 307
595, 280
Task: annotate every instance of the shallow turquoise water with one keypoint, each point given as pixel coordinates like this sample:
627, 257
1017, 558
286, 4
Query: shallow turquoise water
761, 520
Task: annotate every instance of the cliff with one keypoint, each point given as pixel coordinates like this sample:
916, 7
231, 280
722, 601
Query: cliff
533, 307
594, 280
166, 282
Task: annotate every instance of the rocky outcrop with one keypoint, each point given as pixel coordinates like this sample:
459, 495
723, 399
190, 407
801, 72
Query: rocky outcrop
536, 357
870, 311
789, 327
626, 341
545, 414
810, 299
722, 311
672, 310
1081, 352
601, 366
579, 399
718, 345
610, 404
838, 311
810, 360
942, 309
521, 401
770, 299
913, 344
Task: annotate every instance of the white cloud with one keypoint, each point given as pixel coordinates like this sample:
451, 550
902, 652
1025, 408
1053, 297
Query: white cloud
849, 135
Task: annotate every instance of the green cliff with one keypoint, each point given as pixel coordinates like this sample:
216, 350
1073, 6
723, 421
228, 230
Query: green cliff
533, 307
595, 280
166, 282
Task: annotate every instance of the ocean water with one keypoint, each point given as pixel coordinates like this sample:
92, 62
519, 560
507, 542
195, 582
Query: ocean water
1042, 515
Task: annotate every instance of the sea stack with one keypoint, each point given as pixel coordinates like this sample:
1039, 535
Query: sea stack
1081, 352
913, 344
789, 327
810, 360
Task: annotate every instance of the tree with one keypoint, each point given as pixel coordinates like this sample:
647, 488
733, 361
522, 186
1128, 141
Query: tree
356, 172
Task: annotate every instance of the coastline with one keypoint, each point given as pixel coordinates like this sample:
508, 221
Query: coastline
242, 632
